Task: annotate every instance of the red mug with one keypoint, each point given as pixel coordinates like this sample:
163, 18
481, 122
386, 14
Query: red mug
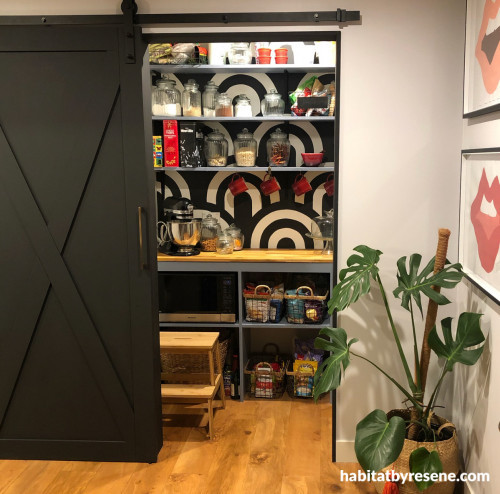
270, 185
329, 185
301, 185
237, 185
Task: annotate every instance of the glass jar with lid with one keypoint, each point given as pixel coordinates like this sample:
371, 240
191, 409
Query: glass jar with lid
210, 230
225, 244
243, 107
237, 236
245, 149
272, 104
224, 105
172, 97
239, 53
215, 149
278, 149
191, 99
209, 98
158, 101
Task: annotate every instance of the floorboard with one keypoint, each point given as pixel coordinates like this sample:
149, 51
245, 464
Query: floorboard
275, 446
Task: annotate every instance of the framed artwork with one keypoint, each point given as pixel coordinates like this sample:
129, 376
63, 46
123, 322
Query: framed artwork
482, 58
479, 239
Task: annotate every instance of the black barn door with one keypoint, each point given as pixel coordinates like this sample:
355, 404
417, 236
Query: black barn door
79, 365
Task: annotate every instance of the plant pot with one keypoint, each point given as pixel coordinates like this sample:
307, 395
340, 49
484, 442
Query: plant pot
448, 453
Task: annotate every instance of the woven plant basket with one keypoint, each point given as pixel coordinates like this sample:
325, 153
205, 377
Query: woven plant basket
448, 453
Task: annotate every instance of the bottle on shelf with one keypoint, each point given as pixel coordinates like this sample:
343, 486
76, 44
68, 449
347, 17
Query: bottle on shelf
191, 99
208, 98
226, 376
235, 379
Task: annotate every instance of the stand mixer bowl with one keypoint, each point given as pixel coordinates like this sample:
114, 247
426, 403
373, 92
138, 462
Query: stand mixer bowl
185, 234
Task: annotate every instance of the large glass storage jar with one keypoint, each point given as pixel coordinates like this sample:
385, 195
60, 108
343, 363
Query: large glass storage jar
172, 97
158, 100
272, 104
239, 53
245, 149
209, 98
191, 99
216, 149
210, 230
243, 107
224, 106
278, 149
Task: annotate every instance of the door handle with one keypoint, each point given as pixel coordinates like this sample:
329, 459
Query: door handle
142, 257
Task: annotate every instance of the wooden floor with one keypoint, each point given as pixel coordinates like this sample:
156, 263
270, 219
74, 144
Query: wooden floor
264, 446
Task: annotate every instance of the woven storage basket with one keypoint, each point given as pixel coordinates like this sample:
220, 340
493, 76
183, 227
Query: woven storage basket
448, 453
186, 363
300, 384
305, 309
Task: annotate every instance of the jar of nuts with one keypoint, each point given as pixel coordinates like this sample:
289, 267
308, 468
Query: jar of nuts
210, 230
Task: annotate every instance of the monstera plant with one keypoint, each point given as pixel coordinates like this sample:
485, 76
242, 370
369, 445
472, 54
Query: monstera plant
379, 439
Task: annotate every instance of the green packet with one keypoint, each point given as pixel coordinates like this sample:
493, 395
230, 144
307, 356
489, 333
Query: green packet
309, 83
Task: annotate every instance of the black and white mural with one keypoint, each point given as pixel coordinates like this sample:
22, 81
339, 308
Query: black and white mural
282, 219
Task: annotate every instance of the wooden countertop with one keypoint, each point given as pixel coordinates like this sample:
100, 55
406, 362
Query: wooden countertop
254, 255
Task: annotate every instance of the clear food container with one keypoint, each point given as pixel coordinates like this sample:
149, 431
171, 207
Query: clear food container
225, 244
243, 107
216, 149
272, 104
210, 230
245, 149
239, 53
172, 99
278, 149
191, 99
224, 106
209, 98
237, 236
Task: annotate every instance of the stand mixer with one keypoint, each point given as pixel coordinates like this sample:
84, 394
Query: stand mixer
182, 230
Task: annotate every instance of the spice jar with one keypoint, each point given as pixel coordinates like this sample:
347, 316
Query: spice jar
210, 230
278, 149
225, 244
215, 149
245, 149
224, 105
243, 107
237, 236
191, 99
172, 97
209, 98
272, 104
239, 53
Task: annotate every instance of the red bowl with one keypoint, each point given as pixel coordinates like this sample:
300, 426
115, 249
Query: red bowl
264, 60
281, 52
312, 159
281, 60
264, 52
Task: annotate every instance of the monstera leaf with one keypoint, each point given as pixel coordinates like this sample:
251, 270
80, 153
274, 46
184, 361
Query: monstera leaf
425, 462
378, 440
354, 280
329, 373
468, 335
411, 284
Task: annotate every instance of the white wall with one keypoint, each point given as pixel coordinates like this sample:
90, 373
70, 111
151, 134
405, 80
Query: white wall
401, 135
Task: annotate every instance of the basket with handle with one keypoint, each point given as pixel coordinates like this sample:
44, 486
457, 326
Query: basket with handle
303, 307
265, 374
257, 304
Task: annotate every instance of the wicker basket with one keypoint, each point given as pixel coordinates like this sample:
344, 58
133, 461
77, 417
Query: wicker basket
263, 305
186, 363
300, 384
305, 309
448, 453
261, 381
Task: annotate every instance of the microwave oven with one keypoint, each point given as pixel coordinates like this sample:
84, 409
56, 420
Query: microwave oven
197, 297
